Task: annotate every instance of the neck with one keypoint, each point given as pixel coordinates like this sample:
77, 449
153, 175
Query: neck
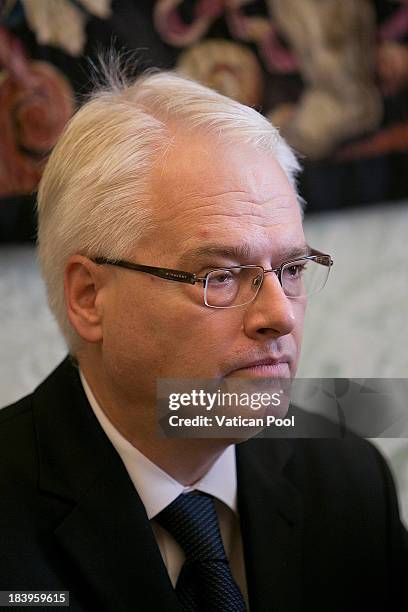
185, 459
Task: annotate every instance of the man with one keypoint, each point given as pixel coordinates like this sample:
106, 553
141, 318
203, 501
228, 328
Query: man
167, 174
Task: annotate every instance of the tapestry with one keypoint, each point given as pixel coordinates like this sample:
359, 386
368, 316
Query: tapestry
333, 76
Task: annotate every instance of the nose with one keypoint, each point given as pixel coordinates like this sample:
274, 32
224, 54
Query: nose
271, 314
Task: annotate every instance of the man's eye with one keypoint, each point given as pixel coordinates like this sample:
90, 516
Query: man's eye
221, 277
296, 270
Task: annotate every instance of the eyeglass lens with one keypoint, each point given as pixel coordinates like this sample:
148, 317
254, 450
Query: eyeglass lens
239, 285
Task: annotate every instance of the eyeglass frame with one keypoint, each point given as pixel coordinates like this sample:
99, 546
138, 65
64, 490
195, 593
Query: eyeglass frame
191, 278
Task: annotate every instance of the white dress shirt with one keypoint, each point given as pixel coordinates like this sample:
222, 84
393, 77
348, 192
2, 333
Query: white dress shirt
157, 489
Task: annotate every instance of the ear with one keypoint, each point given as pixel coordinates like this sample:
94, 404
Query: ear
82, 286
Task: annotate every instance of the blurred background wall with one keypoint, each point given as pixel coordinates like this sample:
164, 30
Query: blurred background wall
333, 76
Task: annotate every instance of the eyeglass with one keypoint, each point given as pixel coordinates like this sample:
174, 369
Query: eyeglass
239, 285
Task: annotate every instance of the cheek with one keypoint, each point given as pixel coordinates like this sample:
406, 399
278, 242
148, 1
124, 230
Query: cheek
125, 323
162, 333
299, 310
193, 335
191, 341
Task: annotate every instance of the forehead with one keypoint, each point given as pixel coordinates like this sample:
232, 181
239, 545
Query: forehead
204, 192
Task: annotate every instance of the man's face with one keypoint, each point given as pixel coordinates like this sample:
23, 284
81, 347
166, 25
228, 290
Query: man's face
225, 198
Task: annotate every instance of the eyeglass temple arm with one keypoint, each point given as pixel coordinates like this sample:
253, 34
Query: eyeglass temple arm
322, 258
167, 273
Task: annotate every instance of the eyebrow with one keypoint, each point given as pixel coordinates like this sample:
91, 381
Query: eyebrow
240, 252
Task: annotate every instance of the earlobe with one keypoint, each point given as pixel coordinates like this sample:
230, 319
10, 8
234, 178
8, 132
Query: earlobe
81, 286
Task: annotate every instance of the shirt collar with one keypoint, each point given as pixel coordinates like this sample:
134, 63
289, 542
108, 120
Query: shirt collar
156, 488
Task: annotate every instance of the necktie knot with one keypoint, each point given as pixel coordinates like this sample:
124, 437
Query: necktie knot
192, 521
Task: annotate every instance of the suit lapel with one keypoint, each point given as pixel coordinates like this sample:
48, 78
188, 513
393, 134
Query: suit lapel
111, 552
271, 525
109, 539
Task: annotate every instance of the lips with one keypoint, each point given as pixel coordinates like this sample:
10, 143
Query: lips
267, 367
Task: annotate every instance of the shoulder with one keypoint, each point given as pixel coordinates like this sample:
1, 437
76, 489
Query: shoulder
17, 439
350, 465
348, 475
350, 452
18, 431
10, 414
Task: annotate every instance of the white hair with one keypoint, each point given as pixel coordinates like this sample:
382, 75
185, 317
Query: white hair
94, 199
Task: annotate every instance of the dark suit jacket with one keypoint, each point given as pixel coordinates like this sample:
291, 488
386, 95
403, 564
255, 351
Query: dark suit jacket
319, 518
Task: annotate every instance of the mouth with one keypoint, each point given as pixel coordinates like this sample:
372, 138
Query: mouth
263, 368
